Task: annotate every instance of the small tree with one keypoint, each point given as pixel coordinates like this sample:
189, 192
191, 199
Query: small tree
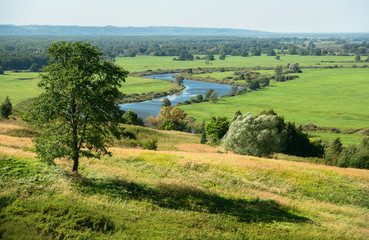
179, 79
166, 102
357, 58
279, 76
294, 67
132, 118
203, 138
77, 112
333, 152
222, 57
208, 94
254, 85
213, 98
6, 108
210, 57
1, 70
217, 127
234, 90
34, 68
170, 118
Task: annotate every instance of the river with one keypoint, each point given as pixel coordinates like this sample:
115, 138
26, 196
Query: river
192, 89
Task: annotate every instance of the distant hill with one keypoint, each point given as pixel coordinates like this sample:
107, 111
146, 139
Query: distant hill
112, 30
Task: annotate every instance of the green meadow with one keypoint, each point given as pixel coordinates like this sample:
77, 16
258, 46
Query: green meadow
22, 86
142, 63
346, 139
325, 97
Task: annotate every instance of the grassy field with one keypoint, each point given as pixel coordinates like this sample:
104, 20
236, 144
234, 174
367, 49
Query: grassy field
194, 193
324, 97
142, 63
346, 139
23, 85
221, 75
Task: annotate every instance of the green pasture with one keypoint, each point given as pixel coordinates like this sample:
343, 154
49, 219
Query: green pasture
142, 63
325, 97
23, 85
346, 139
221, 75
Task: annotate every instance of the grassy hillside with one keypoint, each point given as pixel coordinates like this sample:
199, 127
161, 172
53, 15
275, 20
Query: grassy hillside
324, 97
194, 192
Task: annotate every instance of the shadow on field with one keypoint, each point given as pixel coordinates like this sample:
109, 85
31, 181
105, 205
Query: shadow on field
190, 199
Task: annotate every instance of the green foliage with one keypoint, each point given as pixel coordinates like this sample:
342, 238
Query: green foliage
132, 118
170, 118
357, 58
179, 79
203, 139
150, 144
254, 85
351, 156
166, 102
6, 108
77, 112
217, 127
222, 57
208, 94
294, 67
210, 57
1, 70
279, 76
258, 136
213, 97
34, 68
333, 151
298, 143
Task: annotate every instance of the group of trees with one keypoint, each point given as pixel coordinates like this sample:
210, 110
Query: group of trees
20, 52
351, 156
170, 118
262, 135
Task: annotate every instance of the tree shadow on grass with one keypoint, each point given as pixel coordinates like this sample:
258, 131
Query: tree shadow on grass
190, 199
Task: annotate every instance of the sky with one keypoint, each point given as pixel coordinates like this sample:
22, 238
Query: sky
264, 15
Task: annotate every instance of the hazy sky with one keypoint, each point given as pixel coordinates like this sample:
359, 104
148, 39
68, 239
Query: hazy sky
264, 15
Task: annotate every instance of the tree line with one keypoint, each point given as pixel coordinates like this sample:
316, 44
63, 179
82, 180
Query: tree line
20, 52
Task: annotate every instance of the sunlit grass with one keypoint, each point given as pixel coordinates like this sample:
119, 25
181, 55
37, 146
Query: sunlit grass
324, 97
169, 194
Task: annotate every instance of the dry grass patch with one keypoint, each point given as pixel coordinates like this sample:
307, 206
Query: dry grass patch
201, 148
16, 152
17, 142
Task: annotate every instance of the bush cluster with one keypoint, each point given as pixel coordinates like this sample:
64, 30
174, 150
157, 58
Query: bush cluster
351, 156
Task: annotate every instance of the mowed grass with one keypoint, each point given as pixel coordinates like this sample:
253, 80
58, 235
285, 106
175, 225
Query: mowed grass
325, 97
142, 194
23, 85
142, 63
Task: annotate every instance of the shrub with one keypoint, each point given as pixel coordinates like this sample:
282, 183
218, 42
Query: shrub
257, 136
132, 118
6, 108
203, 138
217, 127
151, 144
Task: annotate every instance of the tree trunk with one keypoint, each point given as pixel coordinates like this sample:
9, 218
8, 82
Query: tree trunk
75, 162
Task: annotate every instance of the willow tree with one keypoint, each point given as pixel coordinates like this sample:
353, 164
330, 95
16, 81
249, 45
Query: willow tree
77, 113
